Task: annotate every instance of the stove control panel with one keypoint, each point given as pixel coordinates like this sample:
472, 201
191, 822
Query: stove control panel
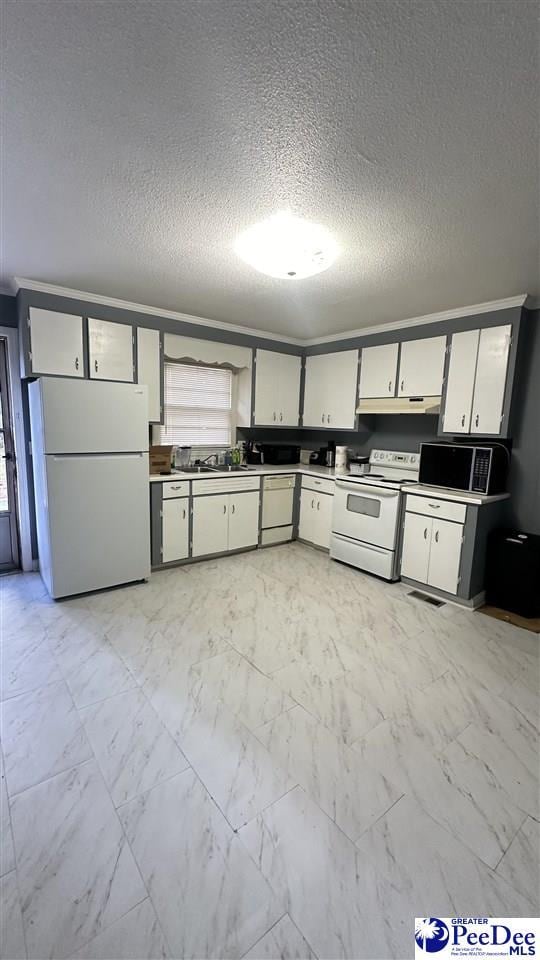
393, 458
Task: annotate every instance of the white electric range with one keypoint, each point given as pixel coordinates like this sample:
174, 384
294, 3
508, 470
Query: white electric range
367, 513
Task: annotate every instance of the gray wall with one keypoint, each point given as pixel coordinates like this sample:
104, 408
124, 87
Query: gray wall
403, 432
8, 311
524, 507
49, 301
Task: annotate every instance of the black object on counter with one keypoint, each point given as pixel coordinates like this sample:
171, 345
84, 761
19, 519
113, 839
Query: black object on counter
319, 456
331, 454
252, 452
278, 453
513, 572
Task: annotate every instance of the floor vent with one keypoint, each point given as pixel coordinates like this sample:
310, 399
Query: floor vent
422, 596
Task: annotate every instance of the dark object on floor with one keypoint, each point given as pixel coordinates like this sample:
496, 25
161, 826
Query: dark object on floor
526, 623
513, 572
423, 596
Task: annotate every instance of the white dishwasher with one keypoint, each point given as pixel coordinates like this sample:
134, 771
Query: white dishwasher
277, 511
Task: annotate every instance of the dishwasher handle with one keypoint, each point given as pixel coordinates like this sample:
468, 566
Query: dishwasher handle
279, 483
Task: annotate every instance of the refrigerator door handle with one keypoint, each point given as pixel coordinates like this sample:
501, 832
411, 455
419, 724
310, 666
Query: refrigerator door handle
135, 454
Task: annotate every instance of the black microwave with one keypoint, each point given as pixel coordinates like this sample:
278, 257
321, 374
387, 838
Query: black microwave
279, 453
463, 467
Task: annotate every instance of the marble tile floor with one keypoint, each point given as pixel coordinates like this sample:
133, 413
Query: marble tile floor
269, 755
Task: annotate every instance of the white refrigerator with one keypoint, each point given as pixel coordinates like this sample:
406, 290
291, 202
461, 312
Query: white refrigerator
90, 464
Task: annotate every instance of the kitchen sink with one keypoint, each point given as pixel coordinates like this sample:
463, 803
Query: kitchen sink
234, 468
195, 469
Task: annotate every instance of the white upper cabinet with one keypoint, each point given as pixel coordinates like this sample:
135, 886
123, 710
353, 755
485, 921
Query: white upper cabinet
149, 369
378, 369
460, 386
110, 348
314, 402
56, 343
476, 384
421, 367
277, 389
289, 388
490, 381
330, 390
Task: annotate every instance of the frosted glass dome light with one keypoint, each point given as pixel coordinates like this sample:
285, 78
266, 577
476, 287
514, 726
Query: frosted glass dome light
287, 247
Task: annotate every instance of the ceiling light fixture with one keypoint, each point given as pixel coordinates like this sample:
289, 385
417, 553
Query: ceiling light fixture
287, 247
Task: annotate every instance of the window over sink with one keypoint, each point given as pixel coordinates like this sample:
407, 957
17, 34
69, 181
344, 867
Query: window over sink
198, 406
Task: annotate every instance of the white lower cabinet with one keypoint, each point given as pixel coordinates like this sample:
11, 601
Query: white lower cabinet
243, 520
315, 517
431, 551
445, 556
416, 547
174, 529
210, 525
224, 522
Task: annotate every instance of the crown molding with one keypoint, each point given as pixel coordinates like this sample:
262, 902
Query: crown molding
22, 283
488, 307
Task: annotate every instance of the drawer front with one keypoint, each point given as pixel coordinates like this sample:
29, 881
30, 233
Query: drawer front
176, 488
276, 535
319, 484
225, 485
431, 507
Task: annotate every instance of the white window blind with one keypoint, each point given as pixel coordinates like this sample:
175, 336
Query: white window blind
198, 406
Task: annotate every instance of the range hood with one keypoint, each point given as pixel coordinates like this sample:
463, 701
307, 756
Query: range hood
400, 405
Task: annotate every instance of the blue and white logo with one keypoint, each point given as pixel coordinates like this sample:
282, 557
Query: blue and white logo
431, 934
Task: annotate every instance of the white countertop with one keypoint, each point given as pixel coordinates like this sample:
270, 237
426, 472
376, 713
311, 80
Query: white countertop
458, 496
253, 471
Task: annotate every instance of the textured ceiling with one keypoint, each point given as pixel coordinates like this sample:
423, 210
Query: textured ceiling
141, 137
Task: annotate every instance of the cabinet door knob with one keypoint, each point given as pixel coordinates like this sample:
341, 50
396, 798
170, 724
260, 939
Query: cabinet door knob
328, 418
281, 418
224, 508
477, 420
318, 504
96, 366
274, 416
436, 536
463, 420
389, 386
76, 363
232, 511
322, 418
435, 506
425, 533
402, 386
184, 514
312, 502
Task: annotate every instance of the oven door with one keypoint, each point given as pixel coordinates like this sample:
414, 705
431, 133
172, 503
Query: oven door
366, 513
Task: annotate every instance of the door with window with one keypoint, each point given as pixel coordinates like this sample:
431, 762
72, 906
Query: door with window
9, 543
